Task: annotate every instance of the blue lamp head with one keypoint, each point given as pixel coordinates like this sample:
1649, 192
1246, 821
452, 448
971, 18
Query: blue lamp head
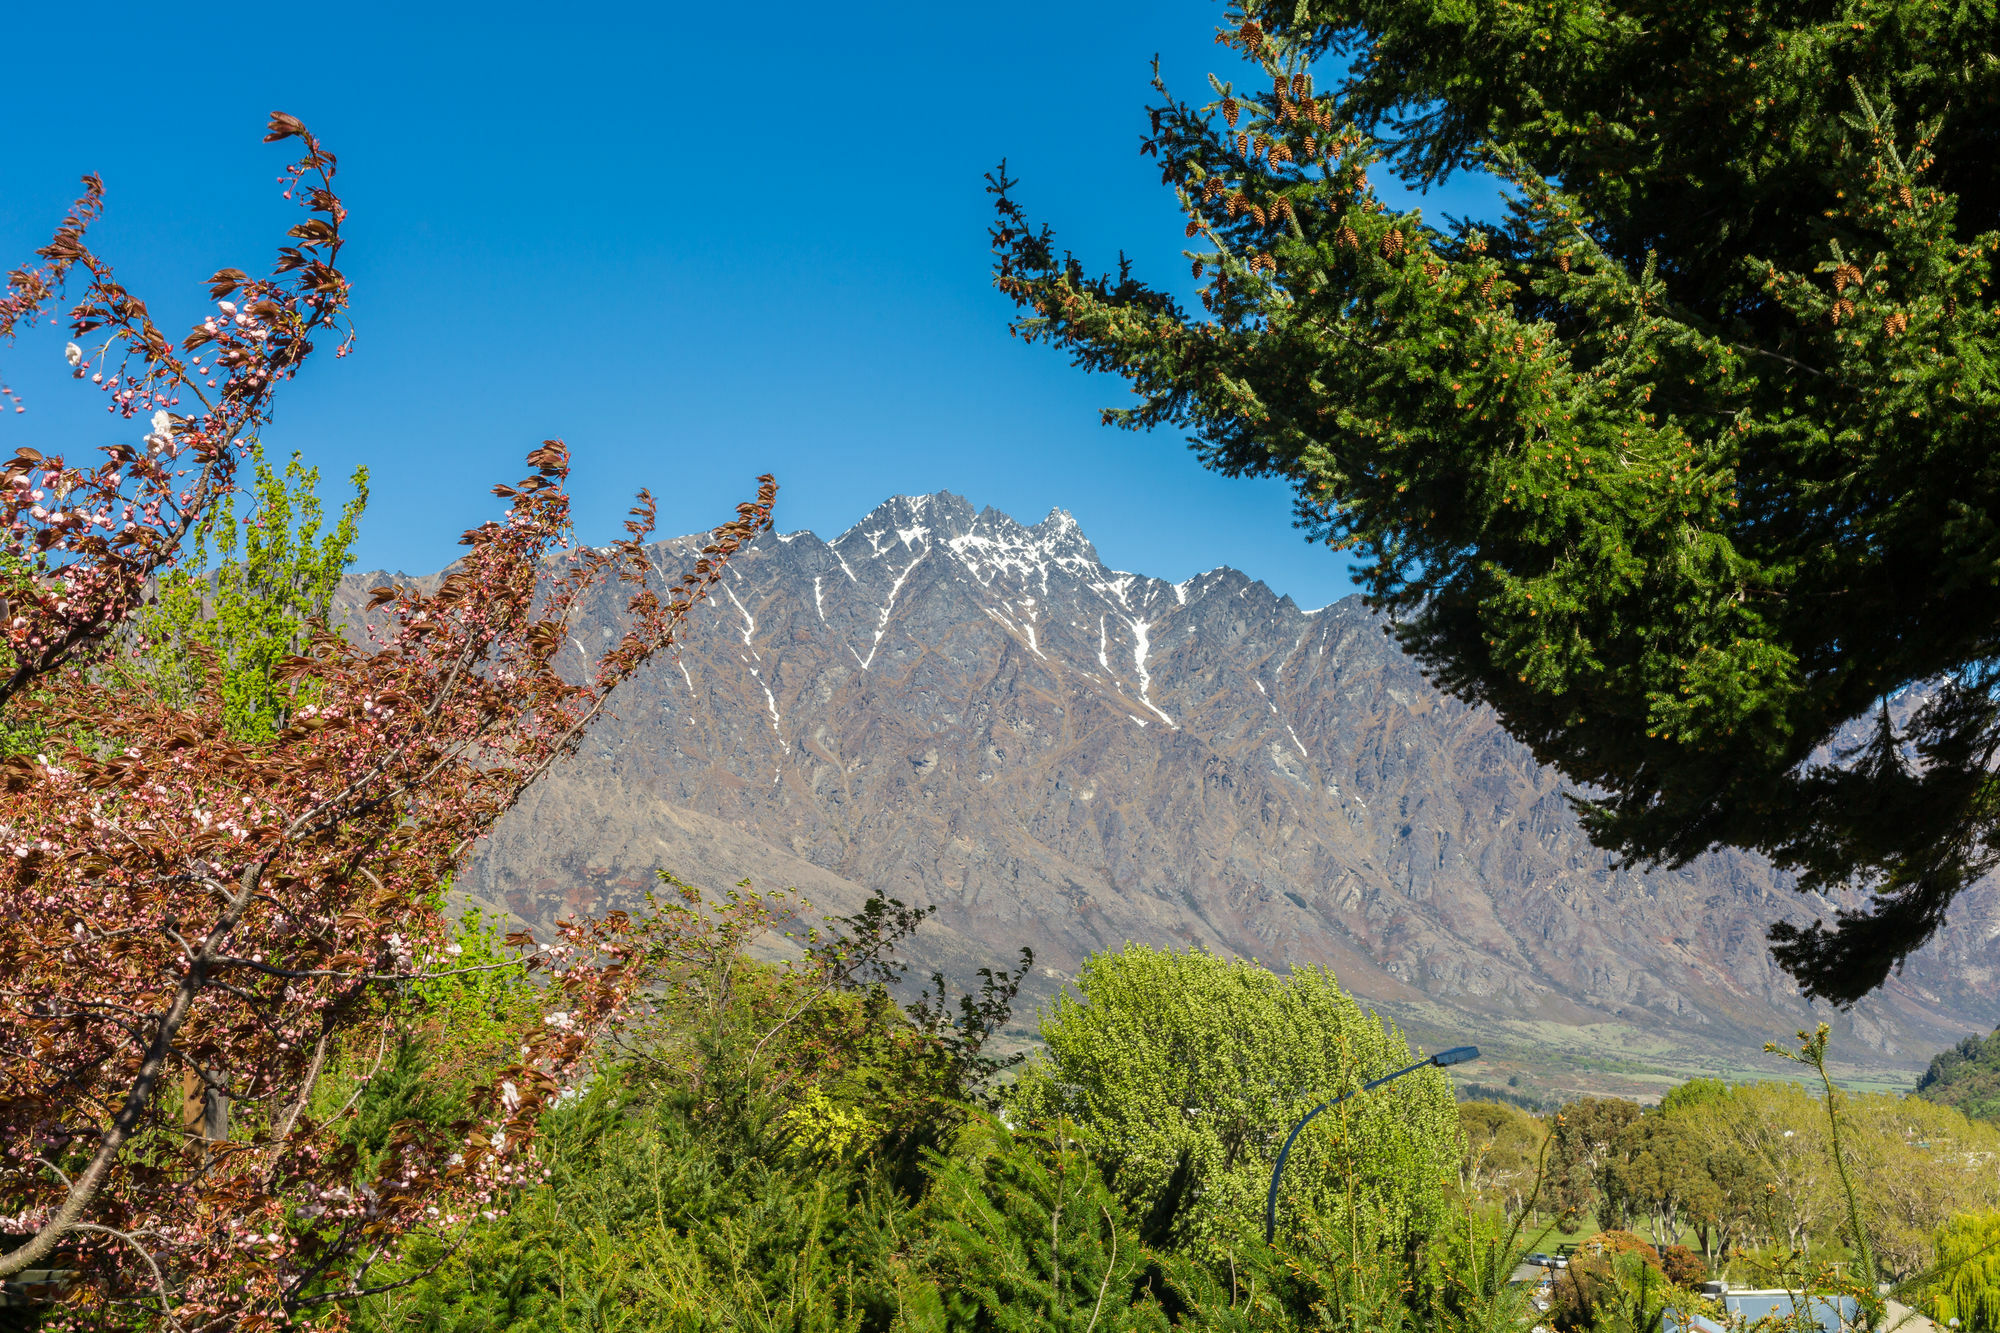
1457, 1055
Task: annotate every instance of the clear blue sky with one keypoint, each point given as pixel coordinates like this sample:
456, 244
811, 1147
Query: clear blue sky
698, 244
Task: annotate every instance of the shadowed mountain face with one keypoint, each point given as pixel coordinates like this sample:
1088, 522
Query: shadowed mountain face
962, 711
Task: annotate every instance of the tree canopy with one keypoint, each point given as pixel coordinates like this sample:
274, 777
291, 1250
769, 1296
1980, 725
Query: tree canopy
1967, 1077
1184, 1070
271, 583
1685, 467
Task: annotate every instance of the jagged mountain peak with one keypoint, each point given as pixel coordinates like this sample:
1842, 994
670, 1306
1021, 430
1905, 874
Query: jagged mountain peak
915, 523
940, 511
1064, 540
976, 714
999, 550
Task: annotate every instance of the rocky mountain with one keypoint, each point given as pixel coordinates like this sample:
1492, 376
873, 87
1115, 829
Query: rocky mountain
963, 711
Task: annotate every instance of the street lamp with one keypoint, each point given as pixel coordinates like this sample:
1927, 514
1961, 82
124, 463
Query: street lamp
1457, 1055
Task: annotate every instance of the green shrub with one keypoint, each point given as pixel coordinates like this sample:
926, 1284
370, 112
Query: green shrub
1183, 1072
654, 1217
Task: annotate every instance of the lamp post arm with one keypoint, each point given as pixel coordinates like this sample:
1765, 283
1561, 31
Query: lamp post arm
1271, 1201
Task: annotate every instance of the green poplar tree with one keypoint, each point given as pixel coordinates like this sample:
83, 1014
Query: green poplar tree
1685, 466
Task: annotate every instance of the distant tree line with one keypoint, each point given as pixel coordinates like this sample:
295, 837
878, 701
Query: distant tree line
1739, 1172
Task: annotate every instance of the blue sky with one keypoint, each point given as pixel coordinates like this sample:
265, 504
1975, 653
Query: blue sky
697, 244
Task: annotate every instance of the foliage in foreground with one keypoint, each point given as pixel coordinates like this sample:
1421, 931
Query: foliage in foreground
792, 1147
1683, 466
693, 1185
1968, 1260
225, 877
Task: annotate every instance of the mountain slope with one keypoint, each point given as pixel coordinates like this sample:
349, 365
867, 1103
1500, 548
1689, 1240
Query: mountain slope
1967, 1076
958, 709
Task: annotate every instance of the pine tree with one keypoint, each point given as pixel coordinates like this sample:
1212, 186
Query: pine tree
1683, 468
1032, 1238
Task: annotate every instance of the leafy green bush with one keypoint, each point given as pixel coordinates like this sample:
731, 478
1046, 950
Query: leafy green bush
657, 1217
788, 1148
744, 1155
1184, 1071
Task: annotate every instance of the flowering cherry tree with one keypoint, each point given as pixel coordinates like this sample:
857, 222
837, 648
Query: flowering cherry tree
84, 540
226, 918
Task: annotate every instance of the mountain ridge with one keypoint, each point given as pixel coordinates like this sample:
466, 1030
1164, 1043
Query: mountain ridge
977, 714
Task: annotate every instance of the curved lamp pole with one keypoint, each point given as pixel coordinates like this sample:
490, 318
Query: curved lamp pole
1457, 1055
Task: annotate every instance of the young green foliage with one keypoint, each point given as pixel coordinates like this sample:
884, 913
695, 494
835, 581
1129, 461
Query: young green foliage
273, 577
1684, 466
1184, 1071
1968, 1261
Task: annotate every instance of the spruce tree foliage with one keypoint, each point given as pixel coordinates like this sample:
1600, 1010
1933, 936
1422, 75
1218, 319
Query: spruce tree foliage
1033, 1238
1685, 466
256, 586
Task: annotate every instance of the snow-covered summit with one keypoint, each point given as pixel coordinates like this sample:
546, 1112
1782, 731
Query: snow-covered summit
989, 544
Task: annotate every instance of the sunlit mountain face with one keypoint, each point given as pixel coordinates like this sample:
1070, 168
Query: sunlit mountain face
963, 711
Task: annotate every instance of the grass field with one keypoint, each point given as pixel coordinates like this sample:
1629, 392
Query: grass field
1548, 1063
